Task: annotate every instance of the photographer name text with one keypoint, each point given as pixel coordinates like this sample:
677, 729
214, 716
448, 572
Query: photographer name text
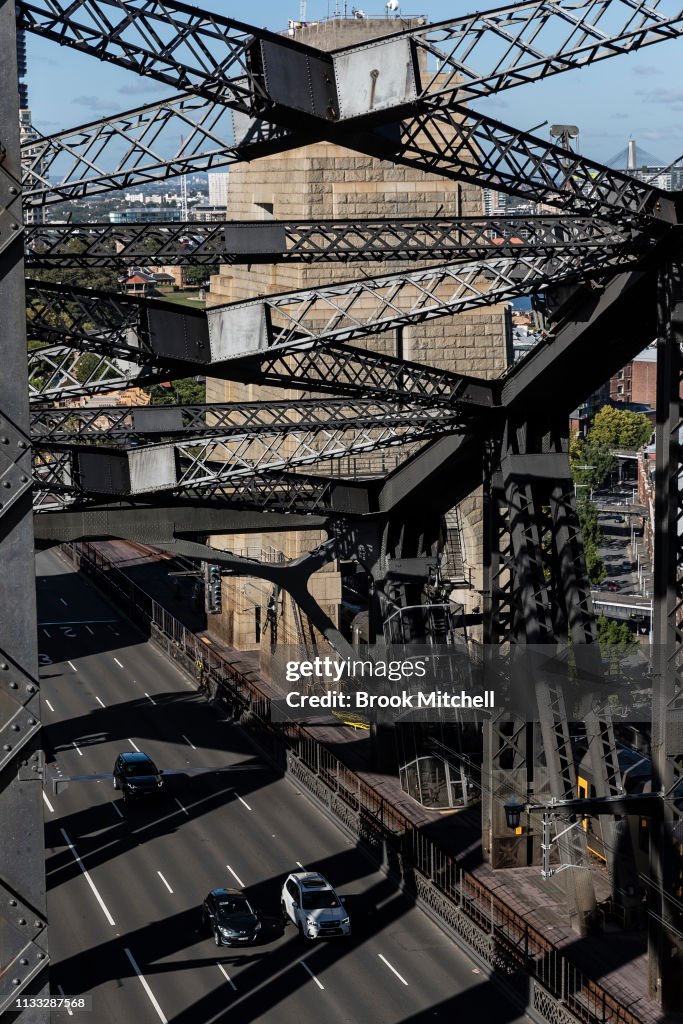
359, 700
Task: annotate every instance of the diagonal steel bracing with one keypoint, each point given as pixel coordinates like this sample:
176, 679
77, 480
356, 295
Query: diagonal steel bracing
207, 463
178, 135
483, 53
23, 908
133, 424
198, 52
197, 243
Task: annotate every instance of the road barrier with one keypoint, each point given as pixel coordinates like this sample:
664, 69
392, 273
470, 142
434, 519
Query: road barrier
551, 987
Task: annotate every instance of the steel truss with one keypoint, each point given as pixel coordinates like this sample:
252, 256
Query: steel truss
666, 863
174, 136
399, 99
207, 463
524, 43
440, 135
133, 424
23, 907
198, 243
340, 313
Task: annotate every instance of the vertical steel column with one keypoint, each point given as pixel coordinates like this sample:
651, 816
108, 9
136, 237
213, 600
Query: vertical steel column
22, 868
665, 920
577, 620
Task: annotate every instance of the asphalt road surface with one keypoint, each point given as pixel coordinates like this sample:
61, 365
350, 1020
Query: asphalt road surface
125, 886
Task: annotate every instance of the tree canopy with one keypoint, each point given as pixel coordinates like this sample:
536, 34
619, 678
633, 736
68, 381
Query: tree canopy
619, 428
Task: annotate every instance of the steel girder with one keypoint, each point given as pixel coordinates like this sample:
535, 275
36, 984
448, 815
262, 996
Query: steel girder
128, 425
197, 243
483, 53
202, 463
281, 493
446, 63
440, 135
174, 136
340, 312
665, 922
23, 905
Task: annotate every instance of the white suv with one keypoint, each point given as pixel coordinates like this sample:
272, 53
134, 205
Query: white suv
311, 903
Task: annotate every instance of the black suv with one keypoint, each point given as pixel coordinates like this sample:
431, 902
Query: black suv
136, 775
231, 918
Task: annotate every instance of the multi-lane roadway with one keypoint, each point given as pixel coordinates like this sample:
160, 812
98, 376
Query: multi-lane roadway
125, 885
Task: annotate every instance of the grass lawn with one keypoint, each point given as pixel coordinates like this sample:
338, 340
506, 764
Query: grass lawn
182, 299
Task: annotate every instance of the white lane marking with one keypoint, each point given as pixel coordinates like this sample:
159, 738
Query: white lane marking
307, 968
143, 982
100, 702
88, 879
148, 697
90, 630
49, 705
78, 749
72, 665
165, 882
226, 976
235, 876
118, 662
134, 747
63, 602
47, 803
48, 635
299, 865
385, 961
242, 801
181, 806
63, 994
120, 814
188, 741
73, 622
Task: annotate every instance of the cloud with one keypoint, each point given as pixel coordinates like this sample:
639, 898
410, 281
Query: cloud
668, 97
135, 88
92, 103
644, 70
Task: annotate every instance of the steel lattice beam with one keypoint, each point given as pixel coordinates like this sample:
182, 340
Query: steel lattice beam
486, 52
196, 243
178, 135
134, 424
23, 907
208, 463
440, 135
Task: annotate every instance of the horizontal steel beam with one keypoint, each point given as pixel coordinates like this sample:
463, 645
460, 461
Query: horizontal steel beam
197, 243
126, 425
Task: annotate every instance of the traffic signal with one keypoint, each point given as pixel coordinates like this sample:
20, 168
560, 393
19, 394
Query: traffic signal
212, 589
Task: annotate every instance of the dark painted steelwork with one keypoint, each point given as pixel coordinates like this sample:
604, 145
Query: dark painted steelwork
23, 906
199, 244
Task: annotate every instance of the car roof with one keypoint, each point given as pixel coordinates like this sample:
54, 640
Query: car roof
226, 892
311, 880
133, 756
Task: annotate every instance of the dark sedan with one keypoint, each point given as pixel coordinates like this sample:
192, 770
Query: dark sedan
231, 918
136, 775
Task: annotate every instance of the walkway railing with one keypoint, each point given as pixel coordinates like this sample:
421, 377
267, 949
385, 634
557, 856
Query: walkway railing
555, 989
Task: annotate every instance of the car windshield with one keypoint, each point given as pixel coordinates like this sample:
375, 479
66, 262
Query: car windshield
234, 905
319, 900
137, 769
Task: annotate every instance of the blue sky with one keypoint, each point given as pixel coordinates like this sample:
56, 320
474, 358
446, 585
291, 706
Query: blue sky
637, 96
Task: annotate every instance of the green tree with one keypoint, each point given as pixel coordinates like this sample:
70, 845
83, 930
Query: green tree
198, 275
188, 391
619, 428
